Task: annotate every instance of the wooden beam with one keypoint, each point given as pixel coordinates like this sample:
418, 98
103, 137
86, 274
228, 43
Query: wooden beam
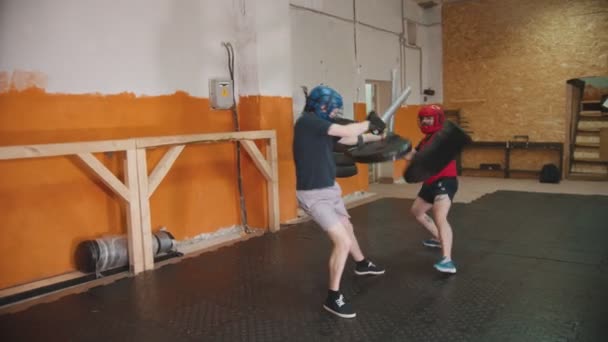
40, 283
202, 138
49, 150
258, 158
163, 167
144, 209
138, 187
604, 144
272, 185
134, 231
105, 175
570, 136
54, 295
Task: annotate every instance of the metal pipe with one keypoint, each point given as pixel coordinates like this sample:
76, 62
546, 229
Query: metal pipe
394, 94
396, 104
110, 252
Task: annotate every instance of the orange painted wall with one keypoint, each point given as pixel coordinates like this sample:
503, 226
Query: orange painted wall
264, 113
49, 205
406, 125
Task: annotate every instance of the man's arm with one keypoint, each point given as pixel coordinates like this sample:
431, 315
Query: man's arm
350, 130
355, 140
372, 123
410, 154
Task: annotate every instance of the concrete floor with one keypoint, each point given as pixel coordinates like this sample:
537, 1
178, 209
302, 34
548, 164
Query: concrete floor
472, 188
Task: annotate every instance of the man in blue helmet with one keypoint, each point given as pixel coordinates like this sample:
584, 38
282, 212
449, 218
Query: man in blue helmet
317, 191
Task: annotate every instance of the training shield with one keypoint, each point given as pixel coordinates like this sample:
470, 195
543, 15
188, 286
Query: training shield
345, 171
391, 148
438, 153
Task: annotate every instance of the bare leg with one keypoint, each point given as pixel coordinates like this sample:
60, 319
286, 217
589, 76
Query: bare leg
342, 245
419, 210
355, 250
440, 213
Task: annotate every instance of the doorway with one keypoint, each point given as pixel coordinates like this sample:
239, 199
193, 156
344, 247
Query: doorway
378, 97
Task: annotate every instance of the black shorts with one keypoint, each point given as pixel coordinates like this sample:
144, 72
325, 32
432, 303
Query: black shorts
442, 186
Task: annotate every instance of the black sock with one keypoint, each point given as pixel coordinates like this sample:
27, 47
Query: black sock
363, 262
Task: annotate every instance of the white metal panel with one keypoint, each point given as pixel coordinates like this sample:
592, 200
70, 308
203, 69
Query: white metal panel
412, 11
141, 46
432, 62
377, 54
322, 52
384, 14
339, 8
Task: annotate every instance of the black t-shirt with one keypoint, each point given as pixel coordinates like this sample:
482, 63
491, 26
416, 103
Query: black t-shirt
313, 153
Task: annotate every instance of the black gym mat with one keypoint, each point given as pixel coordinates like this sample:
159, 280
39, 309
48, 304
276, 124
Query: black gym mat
531, 267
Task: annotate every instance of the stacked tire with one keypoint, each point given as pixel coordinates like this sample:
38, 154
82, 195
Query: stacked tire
345, 165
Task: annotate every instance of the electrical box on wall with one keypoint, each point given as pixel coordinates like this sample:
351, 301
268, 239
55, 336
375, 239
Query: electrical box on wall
220, 93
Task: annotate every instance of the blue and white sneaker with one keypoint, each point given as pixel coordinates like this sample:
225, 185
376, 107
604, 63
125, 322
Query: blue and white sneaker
432, 243
445, 266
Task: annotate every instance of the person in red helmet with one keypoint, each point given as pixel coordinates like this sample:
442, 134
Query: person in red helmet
436, 193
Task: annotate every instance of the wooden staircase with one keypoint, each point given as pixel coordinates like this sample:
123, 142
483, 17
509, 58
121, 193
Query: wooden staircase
585, 163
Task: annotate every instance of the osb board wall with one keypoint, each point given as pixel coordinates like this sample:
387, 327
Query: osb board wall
532, 160
473, 158
506, 62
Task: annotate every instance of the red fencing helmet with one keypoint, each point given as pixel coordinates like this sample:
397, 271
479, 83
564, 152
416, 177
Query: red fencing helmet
436, 113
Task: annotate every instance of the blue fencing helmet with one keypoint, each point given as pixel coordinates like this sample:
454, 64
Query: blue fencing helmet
322, 100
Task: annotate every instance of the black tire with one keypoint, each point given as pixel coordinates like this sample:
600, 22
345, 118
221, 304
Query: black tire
346, 171
341, 148
391, 148
342, 159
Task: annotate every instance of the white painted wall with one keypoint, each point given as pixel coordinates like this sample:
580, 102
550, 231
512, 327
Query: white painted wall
432, 16
274, 47
153, 47
323, 52
323, 47
339, 8
413, 12
142, 46
147, 47
377, 55
384, 14
424, 61
377, 46
263, 48
413, 57
432, 63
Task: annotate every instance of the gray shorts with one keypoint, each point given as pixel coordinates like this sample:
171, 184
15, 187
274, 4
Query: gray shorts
325, 206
